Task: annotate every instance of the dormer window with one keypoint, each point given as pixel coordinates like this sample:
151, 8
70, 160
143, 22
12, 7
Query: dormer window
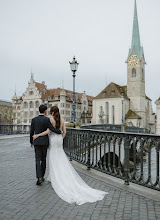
31, 92
133, 72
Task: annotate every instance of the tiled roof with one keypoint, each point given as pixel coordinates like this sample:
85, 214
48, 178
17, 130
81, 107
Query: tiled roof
42, 90
56, 92
132, 115
112, 91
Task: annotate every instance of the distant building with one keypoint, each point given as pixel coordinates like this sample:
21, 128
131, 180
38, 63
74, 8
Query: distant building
26, 107
5, 112
136, 107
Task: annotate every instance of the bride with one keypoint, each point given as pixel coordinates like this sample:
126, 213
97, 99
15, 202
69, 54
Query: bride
66, 182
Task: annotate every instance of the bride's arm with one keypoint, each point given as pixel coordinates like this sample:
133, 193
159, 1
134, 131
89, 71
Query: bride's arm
64, 129
41, 134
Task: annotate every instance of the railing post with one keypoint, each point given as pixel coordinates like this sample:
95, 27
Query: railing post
88, 149
126, 160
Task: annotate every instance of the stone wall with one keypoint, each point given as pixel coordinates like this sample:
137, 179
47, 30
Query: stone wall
5, 112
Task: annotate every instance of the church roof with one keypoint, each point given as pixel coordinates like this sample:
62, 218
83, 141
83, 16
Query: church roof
112, 91
136, 44
132, 115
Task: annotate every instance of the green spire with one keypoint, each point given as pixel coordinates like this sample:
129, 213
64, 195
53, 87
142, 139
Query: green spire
136, 44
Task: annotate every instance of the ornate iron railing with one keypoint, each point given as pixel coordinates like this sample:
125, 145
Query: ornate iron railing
112, 127
128, 156
14, 129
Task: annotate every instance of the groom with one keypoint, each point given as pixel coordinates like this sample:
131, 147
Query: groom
40, 124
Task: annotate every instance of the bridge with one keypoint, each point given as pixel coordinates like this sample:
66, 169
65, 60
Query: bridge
22, 199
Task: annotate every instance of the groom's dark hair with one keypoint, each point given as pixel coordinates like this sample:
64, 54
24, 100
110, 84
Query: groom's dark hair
42, 108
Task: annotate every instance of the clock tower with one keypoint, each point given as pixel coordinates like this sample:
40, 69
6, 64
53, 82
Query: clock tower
136, 72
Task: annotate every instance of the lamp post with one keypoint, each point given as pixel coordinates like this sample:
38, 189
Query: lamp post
74, 67
46, 103
85, 112
122, 99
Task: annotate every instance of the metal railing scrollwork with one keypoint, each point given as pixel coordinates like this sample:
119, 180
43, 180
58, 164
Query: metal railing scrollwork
133, 157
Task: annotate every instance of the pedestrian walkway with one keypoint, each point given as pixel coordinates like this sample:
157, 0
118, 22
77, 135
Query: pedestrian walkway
21, 199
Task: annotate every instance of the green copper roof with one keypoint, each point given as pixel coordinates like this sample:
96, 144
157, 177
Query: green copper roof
136, 44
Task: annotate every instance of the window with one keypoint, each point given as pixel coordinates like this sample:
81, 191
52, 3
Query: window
31, 114
25, 105
18, 108
62, 112
84, 102
107, 112
31, 104
31, 92
133, 73
18, 114
67, 112
67, 105
62, 105
113, 114
37, 104
25, 114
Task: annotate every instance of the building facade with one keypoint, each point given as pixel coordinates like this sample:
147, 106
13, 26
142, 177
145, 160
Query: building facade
27, 106
127, 104
5, 112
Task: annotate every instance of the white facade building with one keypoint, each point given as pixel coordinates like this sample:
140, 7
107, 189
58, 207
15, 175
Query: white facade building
27, 106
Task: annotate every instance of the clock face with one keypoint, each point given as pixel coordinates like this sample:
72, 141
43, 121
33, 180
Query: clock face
133, 60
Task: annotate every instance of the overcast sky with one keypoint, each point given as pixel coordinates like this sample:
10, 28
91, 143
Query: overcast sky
44, 35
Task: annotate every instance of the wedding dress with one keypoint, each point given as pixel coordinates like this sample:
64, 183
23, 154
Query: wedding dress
66, 182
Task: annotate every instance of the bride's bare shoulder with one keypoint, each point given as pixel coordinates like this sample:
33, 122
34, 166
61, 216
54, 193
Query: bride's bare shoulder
52, 121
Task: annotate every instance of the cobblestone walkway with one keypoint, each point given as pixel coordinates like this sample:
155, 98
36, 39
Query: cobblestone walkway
21, 199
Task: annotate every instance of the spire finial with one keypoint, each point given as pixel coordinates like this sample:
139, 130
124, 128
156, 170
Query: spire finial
135, 9
136, 44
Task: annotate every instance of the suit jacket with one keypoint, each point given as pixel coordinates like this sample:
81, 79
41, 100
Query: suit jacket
40, 124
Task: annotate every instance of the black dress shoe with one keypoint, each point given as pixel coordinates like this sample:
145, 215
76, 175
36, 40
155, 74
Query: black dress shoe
39, 181
43, 179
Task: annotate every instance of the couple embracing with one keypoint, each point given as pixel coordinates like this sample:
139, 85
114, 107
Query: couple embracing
64, 179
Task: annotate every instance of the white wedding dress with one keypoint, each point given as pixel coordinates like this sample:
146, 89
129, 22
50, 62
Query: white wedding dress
66, 182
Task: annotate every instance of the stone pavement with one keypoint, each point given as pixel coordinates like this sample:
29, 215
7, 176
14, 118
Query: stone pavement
21, 199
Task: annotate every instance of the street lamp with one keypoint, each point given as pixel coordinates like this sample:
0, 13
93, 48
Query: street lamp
74, 67
46, 104
85, 112
122, 99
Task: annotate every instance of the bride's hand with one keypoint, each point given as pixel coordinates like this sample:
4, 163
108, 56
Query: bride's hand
35, 136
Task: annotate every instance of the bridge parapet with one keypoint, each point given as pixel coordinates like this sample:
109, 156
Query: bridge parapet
112, 152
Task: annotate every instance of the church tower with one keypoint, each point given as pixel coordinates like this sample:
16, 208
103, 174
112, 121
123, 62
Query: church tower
136, 72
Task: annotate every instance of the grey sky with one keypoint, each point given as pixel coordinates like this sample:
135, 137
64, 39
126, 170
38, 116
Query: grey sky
44, 36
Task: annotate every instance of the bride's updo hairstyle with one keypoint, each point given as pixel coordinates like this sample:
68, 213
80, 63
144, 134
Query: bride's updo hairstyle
55, 110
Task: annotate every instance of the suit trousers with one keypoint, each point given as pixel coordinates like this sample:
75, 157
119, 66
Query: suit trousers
40, 156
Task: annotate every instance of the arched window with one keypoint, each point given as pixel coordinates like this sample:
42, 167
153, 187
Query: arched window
113, 114
133, 72
37, 104
107, 112
25, 105
31, 104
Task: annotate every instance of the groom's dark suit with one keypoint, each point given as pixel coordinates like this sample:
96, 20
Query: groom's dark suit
40, 124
